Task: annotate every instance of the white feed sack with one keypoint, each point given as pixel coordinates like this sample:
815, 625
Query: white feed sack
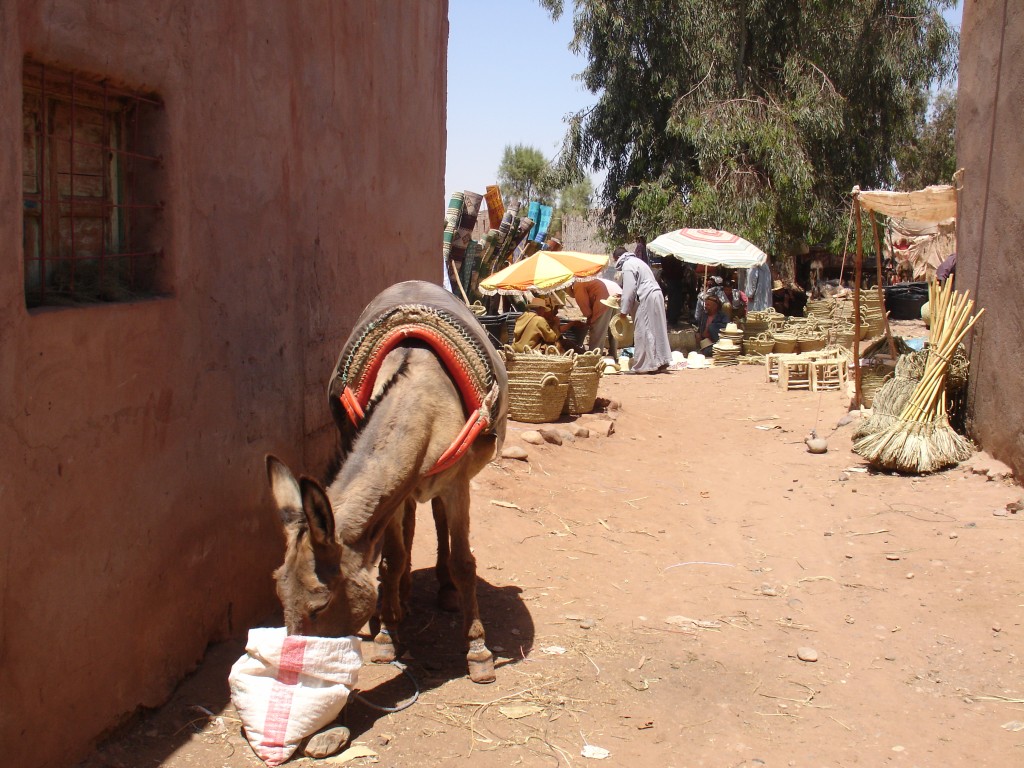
288, 687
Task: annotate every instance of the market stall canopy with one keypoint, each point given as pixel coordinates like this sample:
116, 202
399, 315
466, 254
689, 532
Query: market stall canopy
544, 272
922, 245
931, 204
711, 247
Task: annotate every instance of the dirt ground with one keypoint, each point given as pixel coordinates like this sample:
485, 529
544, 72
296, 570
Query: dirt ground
649, 592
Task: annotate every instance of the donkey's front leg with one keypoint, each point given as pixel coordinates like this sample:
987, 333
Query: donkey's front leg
394, 569
462, 566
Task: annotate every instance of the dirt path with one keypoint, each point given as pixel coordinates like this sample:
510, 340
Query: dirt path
649, 592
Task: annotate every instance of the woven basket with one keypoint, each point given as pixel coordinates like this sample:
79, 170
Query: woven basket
812, 344
534, 363
872, 377
536, 401
761, 345
785, 343
583, 383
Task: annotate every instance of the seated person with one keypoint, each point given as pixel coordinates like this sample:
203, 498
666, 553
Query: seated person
735, 302
537, 326
714, 322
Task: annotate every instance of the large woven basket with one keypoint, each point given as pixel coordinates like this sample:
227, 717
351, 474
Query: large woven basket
811, 343
536, 362
583, 383
538, 383
762, 345
536, 401
785, 343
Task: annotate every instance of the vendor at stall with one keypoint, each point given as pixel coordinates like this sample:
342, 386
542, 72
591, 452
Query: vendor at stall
735, 305
714, 322
538, 325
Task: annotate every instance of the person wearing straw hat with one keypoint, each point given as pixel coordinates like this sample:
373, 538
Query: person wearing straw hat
643, 300
538, 324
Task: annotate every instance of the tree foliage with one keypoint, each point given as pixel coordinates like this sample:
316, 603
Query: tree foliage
756, 116
930, 157
525, 174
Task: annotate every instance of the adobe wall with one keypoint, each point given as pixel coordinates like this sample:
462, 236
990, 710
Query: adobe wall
135, 522
991, 237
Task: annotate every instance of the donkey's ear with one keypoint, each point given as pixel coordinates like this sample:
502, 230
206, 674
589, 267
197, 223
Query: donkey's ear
319, 514
285, 490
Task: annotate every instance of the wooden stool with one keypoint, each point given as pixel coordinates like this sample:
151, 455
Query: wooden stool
771, 365
794, 373
827, 374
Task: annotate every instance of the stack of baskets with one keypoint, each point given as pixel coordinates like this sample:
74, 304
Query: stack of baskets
785, 343
872, 312
538, 383
761, 344
760, 322
843, 334
583, 382
810, 339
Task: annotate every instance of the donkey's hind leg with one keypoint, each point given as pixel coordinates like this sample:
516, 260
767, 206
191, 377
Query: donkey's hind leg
447, 594
462, 566
394, 570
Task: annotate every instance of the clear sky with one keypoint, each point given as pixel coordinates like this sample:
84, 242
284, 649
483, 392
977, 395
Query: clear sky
510, 81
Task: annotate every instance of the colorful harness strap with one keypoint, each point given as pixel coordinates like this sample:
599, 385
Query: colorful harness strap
355, 401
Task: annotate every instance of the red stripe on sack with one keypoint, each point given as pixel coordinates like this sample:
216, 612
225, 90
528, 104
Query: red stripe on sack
279, 708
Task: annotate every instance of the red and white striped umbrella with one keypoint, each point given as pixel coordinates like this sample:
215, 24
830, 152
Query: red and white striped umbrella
712, 247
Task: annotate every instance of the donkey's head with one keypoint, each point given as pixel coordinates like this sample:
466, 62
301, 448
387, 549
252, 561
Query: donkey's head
326, 586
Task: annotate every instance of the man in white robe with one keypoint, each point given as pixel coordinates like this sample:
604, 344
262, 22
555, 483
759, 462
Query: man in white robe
643, 300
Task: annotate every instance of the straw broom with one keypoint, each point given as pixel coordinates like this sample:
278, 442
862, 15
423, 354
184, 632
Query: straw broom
921, 440
890, 400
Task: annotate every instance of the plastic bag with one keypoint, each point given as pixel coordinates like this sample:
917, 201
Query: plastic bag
288, 687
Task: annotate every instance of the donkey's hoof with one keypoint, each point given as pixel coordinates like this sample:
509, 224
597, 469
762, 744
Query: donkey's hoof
481, 665
448, 599
327, 742
383, 649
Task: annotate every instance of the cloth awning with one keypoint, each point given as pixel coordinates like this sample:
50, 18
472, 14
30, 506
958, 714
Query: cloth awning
936, 203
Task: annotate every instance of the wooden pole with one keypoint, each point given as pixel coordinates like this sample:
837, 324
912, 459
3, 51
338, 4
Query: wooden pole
881, 291
859, 263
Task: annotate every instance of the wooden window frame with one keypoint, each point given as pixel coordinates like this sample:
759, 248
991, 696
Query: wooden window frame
92, 174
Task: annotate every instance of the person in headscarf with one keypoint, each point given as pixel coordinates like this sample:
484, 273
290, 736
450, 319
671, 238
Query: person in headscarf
714, 287
643, 300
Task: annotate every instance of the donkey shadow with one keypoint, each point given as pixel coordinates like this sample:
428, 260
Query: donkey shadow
433, 648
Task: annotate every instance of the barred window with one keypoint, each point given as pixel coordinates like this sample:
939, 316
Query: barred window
91, 176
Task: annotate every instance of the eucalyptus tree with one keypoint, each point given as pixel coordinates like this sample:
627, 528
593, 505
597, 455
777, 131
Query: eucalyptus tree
756, 116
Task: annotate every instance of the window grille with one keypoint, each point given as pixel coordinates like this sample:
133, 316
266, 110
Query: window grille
91, 178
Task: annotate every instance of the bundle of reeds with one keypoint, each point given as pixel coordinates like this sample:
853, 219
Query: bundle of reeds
892, 396
921, 439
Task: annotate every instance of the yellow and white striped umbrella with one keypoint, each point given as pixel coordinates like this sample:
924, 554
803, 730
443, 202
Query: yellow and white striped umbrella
544, 272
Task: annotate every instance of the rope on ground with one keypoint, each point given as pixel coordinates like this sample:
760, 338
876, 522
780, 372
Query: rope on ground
400, 707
